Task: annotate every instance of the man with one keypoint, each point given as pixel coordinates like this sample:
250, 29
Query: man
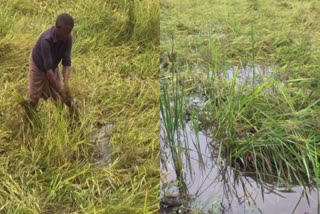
53, 46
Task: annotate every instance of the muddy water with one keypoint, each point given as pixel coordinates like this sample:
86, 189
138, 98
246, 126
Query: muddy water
223, 189
246, 74
230, 192
102, 155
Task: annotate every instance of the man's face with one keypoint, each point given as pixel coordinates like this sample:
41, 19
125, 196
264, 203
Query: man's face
63, 33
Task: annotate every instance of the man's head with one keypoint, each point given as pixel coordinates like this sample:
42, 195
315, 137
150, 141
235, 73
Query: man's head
64, 26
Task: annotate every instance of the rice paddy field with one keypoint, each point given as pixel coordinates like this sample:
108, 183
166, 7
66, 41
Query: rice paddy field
48, 167
245, 74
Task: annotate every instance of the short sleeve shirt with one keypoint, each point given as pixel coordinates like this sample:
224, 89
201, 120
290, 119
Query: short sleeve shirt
48, 51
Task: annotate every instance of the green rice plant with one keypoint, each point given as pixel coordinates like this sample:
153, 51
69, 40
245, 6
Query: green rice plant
254, 4
253, 57
253, 128
214, 66
316, 169
172, 115
173, 128
7, 18
271, 129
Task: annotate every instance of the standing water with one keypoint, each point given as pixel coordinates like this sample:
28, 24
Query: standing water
246, 74
222, 189
217, 188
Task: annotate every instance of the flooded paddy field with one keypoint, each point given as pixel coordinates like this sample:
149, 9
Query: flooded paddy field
218, 188
239, 107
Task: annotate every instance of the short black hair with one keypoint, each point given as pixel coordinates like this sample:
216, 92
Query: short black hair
64, 20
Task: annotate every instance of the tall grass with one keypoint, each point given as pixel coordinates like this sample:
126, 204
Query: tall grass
253, 57
49, 168
270, 129
172, 115
173, 129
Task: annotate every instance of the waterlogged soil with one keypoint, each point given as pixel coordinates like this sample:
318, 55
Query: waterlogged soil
224, 190
217, 188
102, 155
247, 74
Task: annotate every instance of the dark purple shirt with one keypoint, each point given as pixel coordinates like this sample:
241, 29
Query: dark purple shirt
49, 51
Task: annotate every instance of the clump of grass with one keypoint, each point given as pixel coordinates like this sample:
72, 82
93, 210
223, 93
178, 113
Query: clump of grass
7, 18
172, 115
271, 128
48, 168
269, 132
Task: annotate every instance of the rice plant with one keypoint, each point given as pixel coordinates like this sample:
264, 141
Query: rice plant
269, 130
253, 57
172, 116
46, 165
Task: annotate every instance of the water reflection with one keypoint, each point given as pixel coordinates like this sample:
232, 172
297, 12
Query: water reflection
230, 191
248, 73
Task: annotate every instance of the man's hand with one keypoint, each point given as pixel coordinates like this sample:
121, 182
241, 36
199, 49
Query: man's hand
53, 81
65, 96
66, 89
67, 99
62, 91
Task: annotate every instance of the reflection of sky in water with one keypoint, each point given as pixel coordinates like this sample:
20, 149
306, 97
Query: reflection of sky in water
246, 74
204, 182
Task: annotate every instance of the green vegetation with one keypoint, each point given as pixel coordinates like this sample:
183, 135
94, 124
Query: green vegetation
49, 168
271, 129
173, 121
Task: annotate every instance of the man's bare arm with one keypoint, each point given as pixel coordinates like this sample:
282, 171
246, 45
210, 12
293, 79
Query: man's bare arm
53, 81
56, 84
66, 74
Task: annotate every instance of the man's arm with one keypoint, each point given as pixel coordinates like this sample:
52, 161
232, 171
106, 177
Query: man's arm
66, 62
67, 97
66, 74
55, 83
47, 64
